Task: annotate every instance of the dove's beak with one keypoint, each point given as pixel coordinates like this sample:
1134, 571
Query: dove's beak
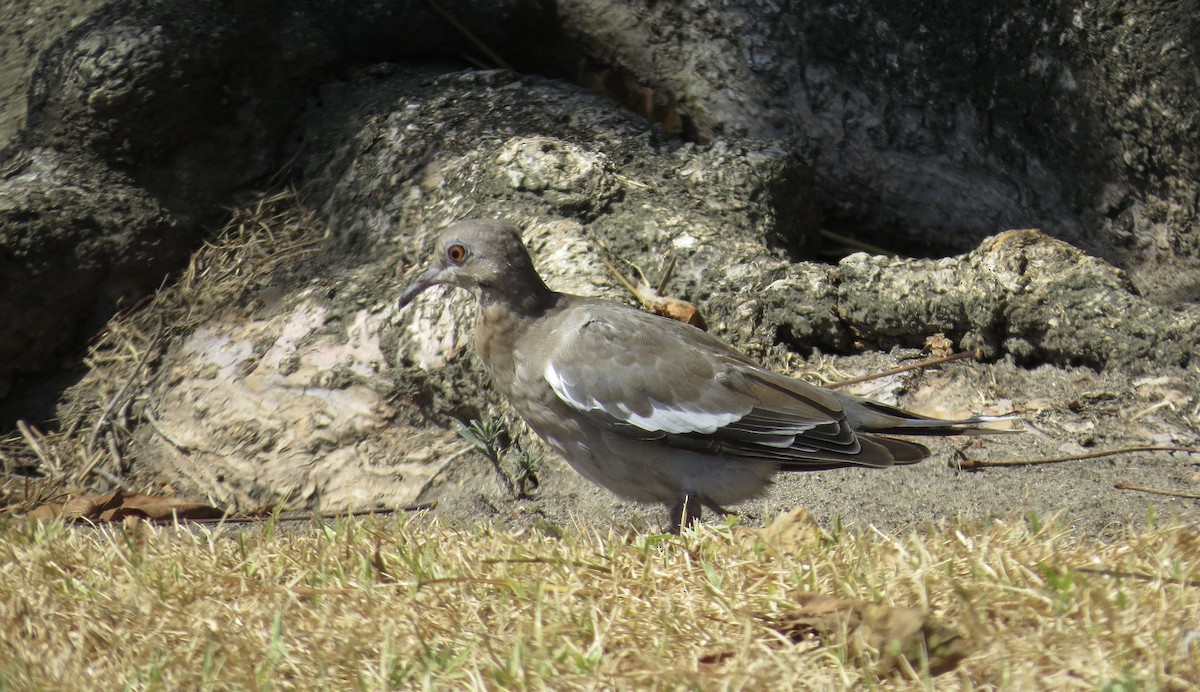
430, 277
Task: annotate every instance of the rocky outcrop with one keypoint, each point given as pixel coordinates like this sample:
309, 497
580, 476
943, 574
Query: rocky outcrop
277, 369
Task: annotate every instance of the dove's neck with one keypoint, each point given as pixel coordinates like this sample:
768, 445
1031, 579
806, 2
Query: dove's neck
503, 326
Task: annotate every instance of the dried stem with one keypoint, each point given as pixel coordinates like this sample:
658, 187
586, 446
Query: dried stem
981, 463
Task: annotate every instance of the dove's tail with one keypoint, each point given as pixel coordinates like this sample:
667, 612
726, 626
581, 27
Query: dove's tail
869, 416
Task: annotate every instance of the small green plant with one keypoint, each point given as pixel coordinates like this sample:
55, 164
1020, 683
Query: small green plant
276, 652
1125, 683
528, 466
1060, 582
489, 436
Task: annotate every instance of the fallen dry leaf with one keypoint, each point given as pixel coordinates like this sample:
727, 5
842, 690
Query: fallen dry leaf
880, 635
793, 528
875, 632
680, 310
117, 505
652, 298
939, 346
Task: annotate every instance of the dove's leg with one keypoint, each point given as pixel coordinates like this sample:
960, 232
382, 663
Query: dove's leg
685, 512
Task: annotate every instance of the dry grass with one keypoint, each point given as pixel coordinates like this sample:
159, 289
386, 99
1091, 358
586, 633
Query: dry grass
405, 602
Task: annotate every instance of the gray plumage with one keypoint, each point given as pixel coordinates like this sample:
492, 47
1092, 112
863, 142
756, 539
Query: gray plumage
650, 408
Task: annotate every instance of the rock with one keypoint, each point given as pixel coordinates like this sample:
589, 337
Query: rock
75, 243
931, 129
319, 392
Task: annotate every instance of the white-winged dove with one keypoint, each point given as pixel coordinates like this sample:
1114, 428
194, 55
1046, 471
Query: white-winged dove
650, 408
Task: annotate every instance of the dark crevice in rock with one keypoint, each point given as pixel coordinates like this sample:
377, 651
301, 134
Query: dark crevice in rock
807, 348
894, 240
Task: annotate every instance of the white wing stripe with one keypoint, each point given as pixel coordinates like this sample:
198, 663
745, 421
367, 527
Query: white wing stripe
662, 418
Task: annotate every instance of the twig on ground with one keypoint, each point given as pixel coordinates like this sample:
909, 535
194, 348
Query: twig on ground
976, 354
469, 35
309, 516
1126, 485
982, 463
134, 374
183, 448
33, 438
112, 478
1141, 576
856, 244
624, 281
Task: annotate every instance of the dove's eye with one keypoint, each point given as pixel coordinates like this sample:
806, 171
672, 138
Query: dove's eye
456, 253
